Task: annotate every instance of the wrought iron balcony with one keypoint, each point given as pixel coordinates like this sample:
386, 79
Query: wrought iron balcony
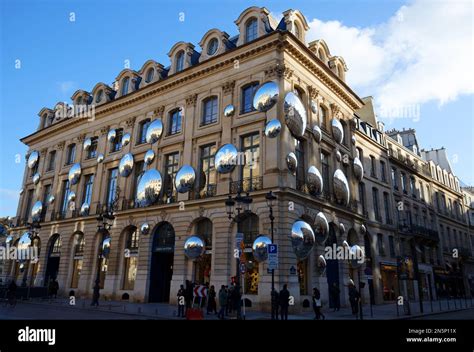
421, 231
248, 184
208, 191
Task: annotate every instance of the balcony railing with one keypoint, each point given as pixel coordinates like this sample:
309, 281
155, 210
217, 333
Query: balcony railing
249, 184
208, 191
419, 231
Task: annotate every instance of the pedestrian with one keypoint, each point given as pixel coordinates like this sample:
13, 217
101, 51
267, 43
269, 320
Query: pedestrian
354, 298
237, 301
96, 294
317, 304
181, 301
275, 301
222, 302
211, 301
284, 302
230, 301
188, 294
335, 292
53, 288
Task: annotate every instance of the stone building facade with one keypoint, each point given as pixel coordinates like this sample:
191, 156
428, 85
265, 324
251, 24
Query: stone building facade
189, 96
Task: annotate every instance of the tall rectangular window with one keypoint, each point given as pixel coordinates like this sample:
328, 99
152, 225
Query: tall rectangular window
404, 182
394, 178
111, 187
87, 191
375, 196
373, 171
325, 172
175, 121
209, 111
422, 192
251, 149
171, 168
46, 194
29, 203
65, 195
207, 176
92, 151
300, 168
380, 245
116, 144
383, 174
386, 205
391, 245
71, 154
143, 126
362, 197
52, 160
413, 186
247, 98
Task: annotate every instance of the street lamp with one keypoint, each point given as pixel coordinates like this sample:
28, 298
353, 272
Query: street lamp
271, 200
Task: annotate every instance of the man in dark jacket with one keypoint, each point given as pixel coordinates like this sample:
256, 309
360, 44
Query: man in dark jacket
222, 302
354, 298
284, 302
275, 304
334, 292
181, 301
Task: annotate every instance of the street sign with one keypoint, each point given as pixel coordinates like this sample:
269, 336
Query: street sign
242, 268
239, 237
272, 256
200, 291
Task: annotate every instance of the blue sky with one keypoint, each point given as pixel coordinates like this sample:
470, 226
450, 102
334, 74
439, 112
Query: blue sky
59, 56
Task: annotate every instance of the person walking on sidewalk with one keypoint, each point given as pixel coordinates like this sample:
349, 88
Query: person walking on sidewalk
181, 301
96, 294
211, 301
284, 302
222, 302
317, 304
334, 291
275, 301
354, 297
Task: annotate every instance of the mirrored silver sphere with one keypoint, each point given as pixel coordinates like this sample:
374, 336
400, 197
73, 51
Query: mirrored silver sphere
74, 174
314, 180
321, 228
51, 199
358, 169
338, 156
149, 156
363, 229
126, 138
345, 244
229, 110
337, 130
314, 107
260, 248
184, 179
321, 262
24, 241
87, 144
33, 159
111, 136
357, 256
126, 165
292, 163
85, 207
71, 197
106, 247
302, 239
149, 188
154, 131
226, 158
100, 157
145, 228
36, 211
266, 96
341, 187
36, 178
317, 134
272, 128
194, 247
22, 190
295, 114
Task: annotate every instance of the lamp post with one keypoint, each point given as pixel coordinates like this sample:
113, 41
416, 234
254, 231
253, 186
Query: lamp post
271, 199
33, 229
103, 228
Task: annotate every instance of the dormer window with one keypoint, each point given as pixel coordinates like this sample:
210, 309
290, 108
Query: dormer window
99, 96
125, 83
179, 61
149, 75
212, 46
251, 30
297, 32
79, 101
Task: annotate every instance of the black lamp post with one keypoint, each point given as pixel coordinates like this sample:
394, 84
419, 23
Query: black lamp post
237, 205
271, 199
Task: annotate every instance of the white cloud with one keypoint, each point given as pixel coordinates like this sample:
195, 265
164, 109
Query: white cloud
423, 53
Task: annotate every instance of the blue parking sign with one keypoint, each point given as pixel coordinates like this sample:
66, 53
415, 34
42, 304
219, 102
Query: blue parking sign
272, 249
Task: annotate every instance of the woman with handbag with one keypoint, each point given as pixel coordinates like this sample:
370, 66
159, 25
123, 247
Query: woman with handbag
317, 304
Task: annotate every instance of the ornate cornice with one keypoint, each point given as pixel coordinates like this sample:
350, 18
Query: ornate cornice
279, 71
191, 100
158, 112
335, 110
228, 87
130, 122
313, 92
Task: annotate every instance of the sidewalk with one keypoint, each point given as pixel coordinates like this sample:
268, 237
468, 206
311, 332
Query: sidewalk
166, 311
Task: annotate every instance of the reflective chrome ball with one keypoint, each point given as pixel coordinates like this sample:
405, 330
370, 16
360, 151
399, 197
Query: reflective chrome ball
272, 128
302, 239
33, 159
111, 136
100, 157
291, 162
321, 228
126, 138
85, 207
226, 158
145, 228
341, 187
184, 179
193, 247
314, 180
126, 165
36, 178
295, 114
337, 130
36, 211
74, 174
358, 169
149, 157
229, 110
317, 134
154, 131
260, 248
266, 96
149, 188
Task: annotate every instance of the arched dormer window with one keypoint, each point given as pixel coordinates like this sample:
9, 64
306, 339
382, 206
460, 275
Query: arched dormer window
297, 31
125, 84
251, 30
321, 55
212, 46
149, 75
99, 96
79, 101
179, 64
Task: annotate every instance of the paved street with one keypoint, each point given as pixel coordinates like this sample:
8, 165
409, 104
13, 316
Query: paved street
60, 309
